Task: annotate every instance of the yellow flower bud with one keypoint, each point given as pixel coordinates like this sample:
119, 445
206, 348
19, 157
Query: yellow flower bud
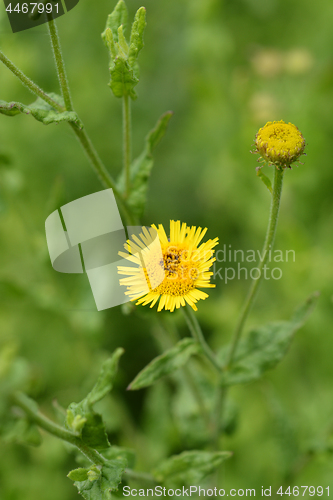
280, 143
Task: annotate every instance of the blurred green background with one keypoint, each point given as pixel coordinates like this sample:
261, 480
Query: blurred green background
224, 67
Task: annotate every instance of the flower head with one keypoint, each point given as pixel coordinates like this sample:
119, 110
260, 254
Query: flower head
280, 143
183, 261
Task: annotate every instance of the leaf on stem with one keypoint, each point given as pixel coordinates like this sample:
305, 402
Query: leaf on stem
171, 360
97, 483
190, 467
117, 18
141, 167
264, 347
82, 419
124, 68
265, 179
41, 111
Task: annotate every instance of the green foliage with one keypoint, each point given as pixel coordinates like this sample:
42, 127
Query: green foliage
168, 362
190, 467
141, 167
101, 481
124, 69
265, 179
82, 419
264, 347
41, 111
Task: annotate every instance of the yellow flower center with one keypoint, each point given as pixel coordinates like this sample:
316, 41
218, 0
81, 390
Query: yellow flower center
181, 268
280, 143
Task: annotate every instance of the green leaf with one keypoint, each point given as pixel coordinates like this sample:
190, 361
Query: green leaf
82, 419
123, 79
190, 467
78, 474
124, 69
118, 17
41, 111
108, 481
264, 347
165, 364
136, 40
106, 377
142, 166
265, 179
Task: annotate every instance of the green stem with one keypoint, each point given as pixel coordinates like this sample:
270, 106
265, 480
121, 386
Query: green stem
101, 171
269, 240
19, 399
197, 334
29, 83
81, 134
127, 141
55, 42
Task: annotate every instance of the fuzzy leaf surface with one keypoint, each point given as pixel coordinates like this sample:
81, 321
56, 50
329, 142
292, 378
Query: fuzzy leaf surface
41, 111
166, 363
117, 18
101, 488
264, 347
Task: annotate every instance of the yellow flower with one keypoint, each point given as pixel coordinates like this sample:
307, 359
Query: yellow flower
184, 264
280, 143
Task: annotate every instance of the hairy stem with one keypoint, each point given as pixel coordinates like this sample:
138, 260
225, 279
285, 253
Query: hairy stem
127, 141
82, 135
29, 83
197, 334
19, 399
59, 63
269, 240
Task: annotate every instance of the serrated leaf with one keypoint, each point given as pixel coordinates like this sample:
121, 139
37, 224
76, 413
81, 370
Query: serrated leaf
264, 347
123, 79
265, 180
101, 488
117, 18
41, 111
165, 364
136, 40
142, 166
92, 431
79, 474
106, 377
190, 467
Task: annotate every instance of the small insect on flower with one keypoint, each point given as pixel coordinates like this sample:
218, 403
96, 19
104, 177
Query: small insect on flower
183, 261
279, 143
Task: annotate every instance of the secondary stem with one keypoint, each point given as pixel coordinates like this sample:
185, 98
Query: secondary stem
197, 334
55, 41
85, 141
269, 240
22, 401
127, 141
29, 83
